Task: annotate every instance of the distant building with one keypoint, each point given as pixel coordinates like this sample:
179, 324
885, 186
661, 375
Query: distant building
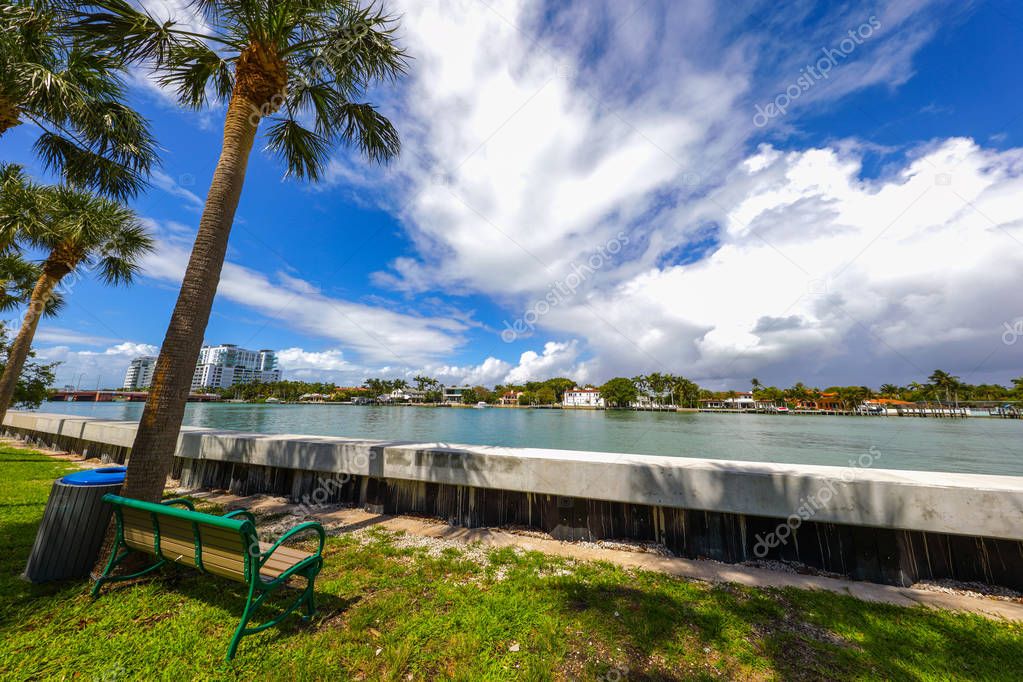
453, 394
227, 365
582, 397
510, 398
406, 395
140, 373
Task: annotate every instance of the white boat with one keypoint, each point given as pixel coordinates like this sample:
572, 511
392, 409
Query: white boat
781, 410
480, 405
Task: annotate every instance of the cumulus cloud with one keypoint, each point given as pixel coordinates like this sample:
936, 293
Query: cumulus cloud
535, 133
898, 275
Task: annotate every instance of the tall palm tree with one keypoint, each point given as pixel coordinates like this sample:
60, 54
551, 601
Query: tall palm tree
944, 382
301, 64
74, 97
77, 229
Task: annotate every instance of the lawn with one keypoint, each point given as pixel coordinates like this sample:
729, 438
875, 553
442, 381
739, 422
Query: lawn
394, 608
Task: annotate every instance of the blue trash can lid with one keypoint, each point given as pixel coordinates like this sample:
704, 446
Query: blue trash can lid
101, 476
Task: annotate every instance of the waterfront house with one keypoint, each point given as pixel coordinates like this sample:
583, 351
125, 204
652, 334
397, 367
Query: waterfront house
406, 395
583, 397
740, 401
510, 398
453, 394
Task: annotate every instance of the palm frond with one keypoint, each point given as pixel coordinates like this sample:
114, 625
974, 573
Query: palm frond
303, 151
371, 131
83, 167
18, 278
129, 33
194, 70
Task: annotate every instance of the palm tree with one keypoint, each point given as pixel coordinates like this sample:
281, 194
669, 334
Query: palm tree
18, 279
755, 384
73, 96
301, 65
890, 390
78, 229
943, 381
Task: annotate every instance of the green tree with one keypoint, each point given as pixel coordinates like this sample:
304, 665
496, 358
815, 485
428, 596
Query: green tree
944, 384
302, 66
73, 96
547, 395
619, 392
890, 390
32, 387
77, 230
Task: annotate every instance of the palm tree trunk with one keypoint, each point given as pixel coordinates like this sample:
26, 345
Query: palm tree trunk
18, 354
10, 115
152, 453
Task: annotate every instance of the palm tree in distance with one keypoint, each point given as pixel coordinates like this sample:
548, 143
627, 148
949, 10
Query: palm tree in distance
77, 229
73, 97
944, 382
300, 65
890, 390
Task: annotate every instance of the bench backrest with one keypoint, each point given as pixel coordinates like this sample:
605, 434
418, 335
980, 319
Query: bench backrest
223, 546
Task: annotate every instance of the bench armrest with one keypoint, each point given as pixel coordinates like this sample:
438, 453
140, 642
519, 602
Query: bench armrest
300, 528
244, 513
187, 504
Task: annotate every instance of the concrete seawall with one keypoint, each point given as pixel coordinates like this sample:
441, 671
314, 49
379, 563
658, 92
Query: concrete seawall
882, 525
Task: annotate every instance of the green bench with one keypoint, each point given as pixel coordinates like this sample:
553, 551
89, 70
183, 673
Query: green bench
227, 546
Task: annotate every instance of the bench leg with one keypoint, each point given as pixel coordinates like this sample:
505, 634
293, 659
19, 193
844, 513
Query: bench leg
116, 559
240, 630
310, 597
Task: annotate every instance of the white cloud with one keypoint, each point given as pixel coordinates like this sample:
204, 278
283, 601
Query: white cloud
64, 336
176, 187
524, 153
92, 369
556, 359
374, 334
820, 273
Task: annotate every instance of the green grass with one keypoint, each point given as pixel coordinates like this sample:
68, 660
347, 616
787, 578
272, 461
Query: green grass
389, 612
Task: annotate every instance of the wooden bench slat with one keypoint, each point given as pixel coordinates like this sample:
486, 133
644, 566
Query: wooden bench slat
224, 546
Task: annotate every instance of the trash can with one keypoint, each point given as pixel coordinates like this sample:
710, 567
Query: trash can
74, 525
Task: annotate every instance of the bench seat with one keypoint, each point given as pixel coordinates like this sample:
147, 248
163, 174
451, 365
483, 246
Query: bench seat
227, 546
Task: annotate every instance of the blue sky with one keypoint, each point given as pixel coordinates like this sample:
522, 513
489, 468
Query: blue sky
592, 180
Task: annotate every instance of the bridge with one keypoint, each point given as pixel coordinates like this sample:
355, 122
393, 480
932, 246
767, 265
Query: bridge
125, 396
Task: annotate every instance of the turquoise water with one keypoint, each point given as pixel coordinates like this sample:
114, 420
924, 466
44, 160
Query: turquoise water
987, 446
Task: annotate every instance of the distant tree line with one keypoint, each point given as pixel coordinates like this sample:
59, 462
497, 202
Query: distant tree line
655, 389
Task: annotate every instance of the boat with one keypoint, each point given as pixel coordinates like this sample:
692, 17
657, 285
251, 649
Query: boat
480, 405
273, 401
781, 410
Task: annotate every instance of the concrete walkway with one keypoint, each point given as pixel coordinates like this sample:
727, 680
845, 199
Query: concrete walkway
347, 520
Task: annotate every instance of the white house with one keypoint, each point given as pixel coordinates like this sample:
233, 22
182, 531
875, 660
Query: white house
582, 397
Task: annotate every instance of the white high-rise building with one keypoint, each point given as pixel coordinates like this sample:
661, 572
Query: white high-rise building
226, 365
140, 373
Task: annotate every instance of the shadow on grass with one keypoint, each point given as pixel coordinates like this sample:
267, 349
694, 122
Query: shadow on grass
229, 597
695, 624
